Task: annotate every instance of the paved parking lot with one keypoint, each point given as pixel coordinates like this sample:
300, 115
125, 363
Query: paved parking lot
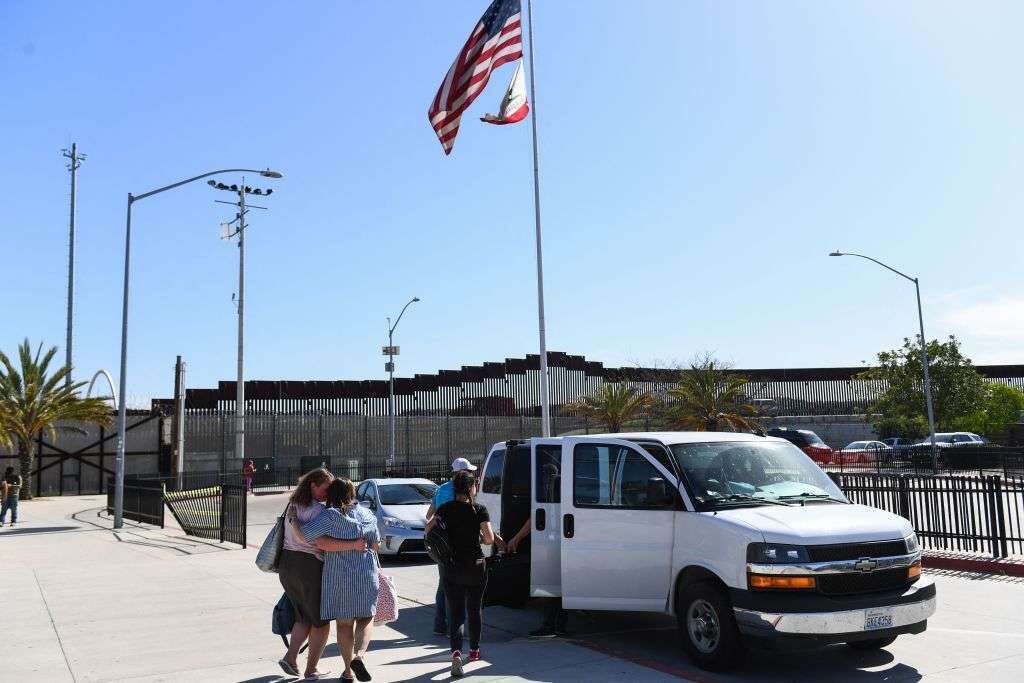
976, 635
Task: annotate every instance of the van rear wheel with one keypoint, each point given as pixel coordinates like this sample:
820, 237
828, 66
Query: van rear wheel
708, 627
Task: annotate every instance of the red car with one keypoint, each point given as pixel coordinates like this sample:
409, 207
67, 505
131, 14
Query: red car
807, 441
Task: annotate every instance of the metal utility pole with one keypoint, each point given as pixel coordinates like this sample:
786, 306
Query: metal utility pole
179, 420
240, 390
241, 190
74, 161
391, 351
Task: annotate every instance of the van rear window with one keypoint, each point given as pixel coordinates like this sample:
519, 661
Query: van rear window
492, 472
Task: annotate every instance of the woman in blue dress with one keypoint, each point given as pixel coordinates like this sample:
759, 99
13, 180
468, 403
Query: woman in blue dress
349, 589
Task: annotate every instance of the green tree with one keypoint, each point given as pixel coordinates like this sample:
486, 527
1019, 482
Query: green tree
613, 405
708, 397
1001, 408
958, 390
33, 401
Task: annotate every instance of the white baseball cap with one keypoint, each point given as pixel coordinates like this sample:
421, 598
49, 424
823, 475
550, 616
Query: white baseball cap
460, 464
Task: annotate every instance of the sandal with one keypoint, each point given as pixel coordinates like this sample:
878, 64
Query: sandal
288, 667
360, 671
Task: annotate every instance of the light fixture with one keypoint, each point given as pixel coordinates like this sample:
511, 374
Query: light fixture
270, 174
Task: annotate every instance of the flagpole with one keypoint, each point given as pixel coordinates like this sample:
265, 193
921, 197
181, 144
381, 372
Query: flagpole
545, 407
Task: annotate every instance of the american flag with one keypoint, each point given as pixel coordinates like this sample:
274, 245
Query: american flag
496, 40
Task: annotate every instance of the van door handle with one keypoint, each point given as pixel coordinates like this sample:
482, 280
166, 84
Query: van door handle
541, 519
568, 526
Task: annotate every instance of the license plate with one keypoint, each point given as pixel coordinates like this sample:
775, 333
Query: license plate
876, 619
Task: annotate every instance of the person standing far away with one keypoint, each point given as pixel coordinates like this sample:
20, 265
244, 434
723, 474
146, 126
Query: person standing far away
248, 470
350, 582
10, 489
468, 525
445, 494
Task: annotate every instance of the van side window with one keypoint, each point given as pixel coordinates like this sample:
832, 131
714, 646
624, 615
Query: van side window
549, 474
616, 476
492, 473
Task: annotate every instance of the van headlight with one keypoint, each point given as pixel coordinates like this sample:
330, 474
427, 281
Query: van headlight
395, 523
913, 544
776, 553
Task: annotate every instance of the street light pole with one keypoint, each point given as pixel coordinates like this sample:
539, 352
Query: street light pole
927, 376
924, 348
391, 352
122, 410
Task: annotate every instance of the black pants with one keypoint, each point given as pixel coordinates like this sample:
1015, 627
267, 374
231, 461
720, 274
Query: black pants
555, 618
464, 593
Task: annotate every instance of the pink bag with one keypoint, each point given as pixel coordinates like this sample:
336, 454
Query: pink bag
387, 598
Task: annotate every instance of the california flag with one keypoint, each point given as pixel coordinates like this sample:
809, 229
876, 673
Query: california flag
514, 106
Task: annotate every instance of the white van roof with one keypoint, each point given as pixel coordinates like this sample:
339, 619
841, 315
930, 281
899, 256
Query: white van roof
669, 438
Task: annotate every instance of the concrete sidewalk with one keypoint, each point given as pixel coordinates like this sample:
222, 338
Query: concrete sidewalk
85, 603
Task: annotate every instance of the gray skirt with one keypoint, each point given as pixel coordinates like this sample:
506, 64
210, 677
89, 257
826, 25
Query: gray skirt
301, 576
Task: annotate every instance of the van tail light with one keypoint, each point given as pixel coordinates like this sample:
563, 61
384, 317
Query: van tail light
781, 582
914, 571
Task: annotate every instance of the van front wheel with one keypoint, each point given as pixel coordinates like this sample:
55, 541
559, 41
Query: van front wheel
708, 627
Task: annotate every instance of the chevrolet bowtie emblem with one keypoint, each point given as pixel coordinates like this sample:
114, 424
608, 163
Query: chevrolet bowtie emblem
865, 564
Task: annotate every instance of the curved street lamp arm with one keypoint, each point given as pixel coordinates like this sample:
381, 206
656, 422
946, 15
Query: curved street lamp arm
847, 253
411, 301
137, 197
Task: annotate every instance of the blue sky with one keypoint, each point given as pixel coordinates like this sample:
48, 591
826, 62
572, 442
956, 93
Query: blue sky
698, 162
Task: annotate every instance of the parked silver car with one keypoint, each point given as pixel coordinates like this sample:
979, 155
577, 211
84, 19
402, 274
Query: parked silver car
400, 506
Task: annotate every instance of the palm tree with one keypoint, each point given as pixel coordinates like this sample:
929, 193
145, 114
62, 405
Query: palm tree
32, 401
612, 405
708, 398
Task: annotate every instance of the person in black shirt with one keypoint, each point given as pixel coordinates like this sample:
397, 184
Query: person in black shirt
468, 526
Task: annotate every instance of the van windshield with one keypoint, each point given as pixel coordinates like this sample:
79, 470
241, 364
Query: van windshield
731, 473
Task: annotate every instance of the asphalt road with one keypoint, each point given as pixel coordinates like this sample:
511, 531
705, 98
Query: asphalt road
976, 635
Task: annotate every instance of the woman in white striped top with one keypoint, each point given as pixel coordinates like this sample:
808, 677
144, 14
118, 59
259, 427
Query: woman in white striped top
349, 591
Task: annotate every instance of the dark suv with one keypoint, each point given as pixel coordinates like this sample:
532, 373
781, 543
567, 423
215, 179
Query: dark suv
807, 441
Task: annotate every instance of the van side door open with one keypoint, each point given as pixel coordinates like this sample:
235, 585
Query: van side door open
619, 507
546, 519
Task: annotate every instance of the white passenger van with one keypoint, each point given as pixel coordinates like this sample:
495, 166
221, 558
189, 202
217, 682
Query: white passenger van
739, 536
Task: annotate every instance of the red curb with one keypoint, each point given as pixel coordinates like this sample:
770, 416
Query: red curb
970, 564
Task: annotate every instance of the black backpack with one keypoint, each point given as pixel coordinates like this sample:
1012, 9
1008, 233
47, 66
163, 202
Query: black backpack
438, 544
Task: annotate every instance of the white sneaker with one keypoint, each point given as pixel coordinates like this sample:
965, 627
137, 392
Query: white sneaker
457, 665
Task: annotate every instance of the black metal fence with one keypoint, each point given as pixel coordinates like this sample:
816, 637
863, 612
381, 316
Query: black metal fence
143, 501
216, 512
978, 514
